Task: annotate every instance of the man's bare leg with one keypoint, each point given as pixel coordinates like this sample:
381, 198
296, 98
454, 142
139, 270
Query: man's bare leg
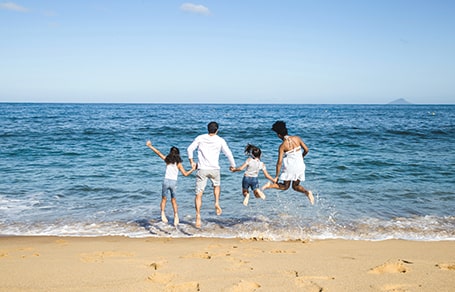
216, 193
198, 204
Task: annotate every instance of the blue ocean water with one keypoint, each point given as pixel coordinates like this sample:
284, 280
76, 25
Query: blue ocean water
377, 171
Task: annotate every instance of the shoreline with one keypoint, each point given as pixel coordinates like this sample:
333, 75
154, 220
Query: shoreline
112, 263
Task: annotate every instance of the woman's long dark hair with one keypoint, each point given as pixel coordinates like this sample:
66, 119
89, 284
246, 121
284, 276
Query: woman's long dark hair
253, 150
173, 156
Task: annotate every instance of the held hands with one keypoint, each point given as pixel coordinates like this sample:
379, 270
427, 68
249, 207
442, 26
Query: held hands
233, 169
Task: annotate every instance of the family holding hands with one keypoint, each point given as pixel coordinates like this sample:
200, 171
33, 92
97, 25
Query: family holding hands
290, 168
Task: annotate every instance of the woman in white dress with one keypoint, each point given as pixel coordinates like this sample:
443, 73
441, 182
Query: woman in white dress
290, 166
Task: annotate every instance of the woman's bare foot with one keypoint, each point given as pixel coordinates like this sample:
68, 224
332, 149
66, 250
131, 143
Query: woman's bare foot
310, 197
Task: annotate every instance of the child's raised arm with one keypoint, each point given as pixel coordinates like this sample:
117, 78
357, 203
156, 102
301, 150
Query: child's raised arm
149, 145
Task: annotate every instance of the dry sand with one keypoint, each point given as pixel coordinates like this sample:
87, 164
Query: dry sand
206, 264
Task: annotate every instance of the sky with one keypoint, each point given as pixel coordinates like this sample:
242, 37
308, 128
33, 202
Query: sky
165, 51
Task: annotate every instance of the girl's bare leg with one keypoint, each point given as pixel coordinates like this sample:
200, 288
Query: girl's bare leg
259, 194
163, 207
246, 195
176, 211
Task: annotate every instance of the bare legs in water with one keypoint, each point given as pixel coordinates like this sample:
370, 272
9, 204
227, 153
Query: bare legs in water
174, 206
295, 186
198, 204
246, 194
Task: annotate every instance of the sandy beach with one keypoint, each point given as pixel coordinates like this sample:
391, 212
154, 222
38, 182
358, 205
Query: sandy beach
207, 264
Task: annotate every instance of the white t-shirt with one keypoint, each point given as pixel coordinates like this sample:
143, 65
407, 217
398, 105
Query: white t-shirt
253, 168
172, 171
209, 147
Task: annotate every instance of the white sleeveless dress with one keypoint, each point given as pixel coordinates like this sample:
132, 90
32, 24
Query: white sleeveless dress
293, 165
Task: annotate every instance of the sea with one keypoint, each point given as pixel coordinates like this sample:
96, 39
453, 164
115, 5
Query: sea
377, 171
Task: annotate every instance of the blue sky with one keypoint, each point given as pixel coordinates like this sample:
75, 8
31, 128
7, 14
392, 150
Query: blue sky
301, 51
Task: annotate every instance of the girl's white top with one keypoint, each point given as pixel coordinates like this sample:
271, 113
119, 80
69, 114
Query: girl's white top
172, 171
253, 168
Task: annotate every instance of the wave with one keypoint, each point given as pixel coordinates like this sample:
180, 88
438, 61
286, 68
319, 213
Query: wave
419, 228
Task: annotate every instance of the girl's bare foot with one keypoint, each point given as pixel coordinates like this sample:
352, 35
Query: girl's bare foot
266, 186
163, 217
176, 220
245, 201
259, 194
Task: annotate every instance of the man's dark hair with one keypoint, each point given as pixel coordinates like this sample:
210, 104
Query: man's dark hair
212, 127
280, 128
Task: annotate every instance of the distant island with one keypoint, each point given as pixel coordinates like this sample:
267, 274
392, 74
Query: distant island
399, 101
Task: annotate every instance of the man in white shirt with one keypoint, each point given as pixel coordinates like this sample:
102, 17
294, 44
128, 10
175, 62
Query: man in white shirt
209, 147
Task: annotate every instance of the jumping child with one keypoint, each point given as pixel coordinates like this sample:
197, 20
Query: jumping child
173, 165
253, 165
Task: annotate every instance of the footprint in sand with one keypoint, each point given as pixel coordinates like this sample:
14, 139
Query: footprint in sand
243, 286
100, 257
388, 267
183, 287
25, 252
308, 285
237, 264
203, 255
161, 278
308, 282
28, 252
446, 267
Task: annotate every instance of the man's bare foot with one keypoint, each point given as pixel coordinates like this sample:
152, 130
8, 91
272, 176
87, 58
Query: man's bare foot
163, 217
245, 201
198, 221
310, 197
176, 220
266, 186
218, 210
